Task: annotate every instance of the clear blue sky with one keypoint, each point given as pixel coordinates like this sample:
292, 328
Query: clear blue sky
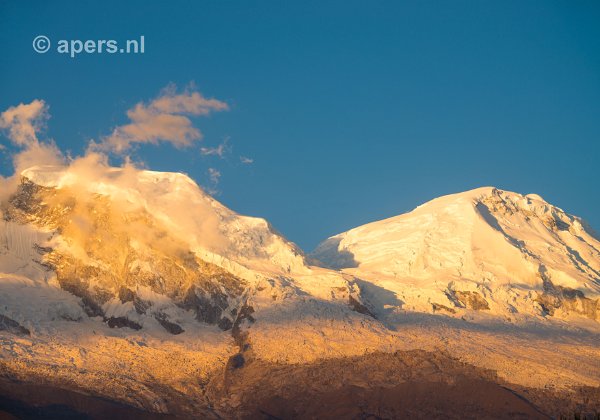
352, 111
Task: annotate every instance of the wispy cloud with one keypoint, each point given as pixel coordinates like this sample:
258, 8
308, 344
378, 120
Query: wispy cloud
24, 121
166, 118
214, 175
22, 125
246, 160
221, 150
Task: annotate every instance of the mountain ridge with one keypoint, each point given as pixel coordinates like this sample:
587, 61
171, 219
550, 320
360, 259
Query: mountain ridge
138, 287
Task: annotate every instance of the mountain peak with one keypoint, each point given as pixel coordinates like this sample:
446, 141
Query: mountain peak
176, 204
486, 241
52, 176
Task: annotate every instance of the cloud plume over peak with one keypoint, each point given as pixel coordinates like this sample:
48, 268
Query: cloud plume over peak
166, 118
24, 121
22, 124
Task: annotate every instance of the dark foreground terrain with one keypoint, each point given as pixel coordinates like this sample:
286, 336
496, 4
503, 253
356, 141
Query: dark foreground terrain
413, 384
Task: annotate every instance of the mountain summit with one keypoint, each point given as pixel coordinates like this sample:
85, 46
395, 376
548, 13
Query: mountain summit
487, 250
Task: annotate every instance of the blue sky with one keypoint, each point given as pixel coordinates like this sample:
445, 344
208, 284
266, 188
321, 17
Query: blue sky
351, 111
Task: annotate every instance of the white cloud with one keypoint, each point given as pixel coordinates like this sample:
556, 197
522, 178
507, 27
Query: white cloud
165, 118
24, 121
22, 124
38, 153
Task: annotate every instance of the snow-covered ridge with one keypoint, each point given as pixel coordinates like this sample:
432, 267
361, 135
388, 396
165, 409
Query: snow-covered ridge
185, 210
501, 245
508, 254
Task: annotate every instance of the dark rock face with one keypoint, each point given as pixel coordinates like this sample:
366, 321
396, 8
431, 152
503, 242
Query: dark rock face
472, 300
465, 299
12, 326
126, 295
225, 324
209, 305
236, 361
208, 308
92, 305
359, 307
168, 325
566, 298
245, 313
439, 307
120, 322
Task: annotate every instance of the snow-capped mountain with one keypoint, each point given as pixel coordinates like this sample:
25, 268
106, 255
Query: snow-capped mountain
138, 248
138, 287
485, 250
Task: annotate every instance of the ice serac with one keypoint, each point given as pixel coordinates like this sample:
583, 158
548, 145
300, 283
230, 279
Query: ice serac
486, 250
